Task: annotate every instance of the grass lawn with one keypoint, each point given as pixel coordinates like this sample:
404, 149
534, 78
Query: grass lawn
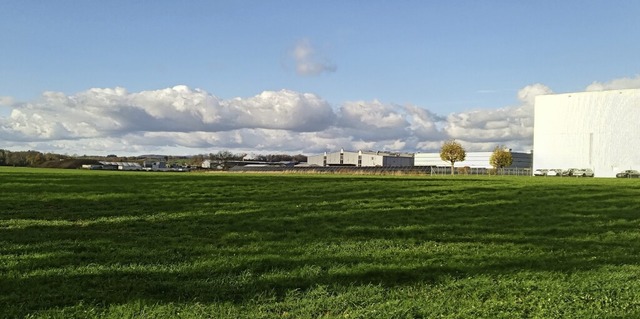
83, 244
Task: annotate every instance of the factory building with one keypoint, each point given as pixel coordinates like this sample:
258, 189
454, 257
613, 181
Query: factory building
361, 159
473, 160
595, 130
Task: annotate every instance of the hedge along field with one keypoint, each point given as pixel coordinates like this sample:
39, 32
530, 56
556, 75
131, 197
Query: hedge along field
93, 244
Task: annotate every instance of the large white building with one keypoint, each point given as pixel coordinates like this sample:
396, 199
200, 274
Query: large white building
473, 160
361, 159
596, 130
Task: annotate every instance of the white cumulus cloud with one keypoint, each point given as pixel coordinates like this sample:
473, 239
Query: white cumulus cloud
379, 126
527, 94
308, 61
482, 130
616, 84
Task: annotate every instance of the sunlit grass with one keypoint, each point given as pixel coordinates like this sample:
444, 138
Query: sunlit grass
156, 245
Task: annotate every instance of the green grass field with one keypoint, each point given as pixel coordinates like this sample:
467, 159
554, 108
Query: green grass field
91, 244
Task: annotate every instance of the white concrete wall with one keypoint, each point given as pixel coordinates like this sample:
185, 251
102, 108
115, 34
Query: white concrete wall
370, 160
350, 158
429, 159
597, 130
315, 160
333, 158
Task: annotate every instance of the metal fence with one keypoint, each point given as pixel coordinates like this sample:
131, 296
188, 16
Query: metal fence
378, 170
384, 170
512, 171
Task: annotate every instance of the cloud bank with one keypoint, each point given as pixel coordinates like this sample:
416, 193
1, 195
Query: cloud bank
182, 120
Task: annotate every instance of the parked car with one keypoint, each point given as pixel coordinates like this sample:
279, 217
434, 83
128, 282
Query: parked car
569, 172
583, 172
540, 172
630, 173
554, 172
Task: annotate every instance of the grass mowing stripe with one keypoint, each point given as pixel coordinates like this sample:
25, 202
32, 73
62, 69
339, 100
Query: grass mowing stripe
128, 245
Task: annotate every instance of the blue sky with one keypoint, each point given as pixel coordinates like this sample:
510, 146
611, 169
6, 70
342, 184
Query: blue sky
446, 57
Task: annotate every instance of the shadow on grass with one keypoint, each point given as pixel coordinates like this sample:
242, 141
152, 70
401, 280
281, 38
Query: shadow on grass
108, 239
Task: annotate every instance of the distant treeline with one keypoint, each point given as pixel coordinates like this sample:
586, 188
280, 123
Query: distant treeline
28, 158
280, 158
225, 156
33, 158
38, 159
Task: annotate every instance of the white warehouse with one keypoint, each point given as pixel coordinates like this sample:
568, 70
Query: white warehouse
596, 130
473, 160
361, 159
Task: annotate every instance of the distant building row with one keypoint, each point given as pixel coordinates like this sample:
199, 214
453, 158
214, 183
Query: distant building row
597, 132
373, 159
133, 166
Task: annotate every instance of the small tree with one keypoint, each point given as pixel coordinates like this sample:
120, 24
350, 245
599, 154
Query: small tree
501, 158
452, 152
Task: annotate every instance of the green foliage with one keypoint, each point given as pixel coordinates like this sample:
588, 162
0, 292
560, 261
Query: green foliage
99, 244
24, 158
27, 158
452, 152
501, 157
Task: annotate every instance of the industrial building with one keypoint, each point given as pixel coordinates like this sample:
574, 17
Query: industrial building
361, 159
596, 130
122, 166
473, 160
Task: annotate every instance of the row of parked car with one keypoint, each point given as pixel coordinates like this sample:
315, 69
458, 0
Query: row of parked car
582, 172
571, 172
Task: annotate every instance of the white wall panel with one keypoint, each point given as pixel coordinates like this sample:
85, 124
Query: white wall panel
317, 160
597, 130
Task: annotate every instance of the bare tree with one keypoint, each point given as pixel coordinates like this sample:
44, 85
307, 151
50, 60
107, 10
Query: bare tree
222, 158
